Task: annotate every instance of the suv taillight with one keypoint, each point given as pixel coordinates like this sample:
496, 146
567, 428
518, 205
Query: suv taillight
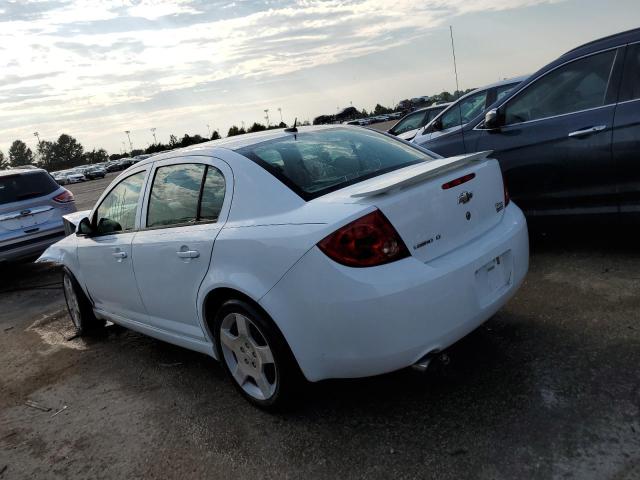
366, 242
64, 197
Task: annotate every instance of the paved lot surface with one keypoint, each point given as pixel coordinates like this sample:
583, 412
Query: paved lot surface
548, 388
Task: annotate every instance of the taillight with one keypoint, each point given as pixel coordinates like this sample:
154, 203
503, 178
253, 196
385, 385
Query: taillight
507, 198
64, 197
366, 242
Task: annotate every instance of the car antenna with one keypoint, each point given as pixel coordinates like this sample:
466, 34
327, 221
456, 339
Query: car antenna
293, 129
455, 70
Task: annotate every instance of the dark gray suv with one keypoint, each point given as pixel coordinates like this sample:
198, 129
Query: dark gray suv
31, 208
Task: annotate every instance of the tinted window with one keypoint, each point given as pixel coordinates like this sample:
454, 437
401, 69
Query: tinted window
22, 186
433, 113
117, 212
631, 81
410, 122
463, 111
315, 163
502, 90
212, 195
174, 195
579, 85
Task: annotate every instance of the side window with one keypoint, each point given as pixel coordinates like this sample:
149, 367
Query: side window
579, 85
212, 195
631, 79
117, 212
174, 194
410, 122
503, 90
465, 110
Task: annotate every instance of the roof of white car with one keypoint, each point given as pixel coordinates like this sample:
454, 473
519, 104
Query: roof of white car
236, 142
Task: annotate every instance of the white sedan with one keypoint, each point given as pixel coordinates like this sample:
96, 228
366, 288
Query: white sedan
311, 253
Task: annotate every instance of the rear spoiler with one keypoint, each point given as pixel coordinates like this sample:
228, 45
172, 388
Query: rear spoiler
418, 173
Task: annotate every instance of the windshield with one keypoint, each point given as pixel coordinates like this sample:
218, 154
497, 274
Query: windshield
315, 163
410, 122
14, 188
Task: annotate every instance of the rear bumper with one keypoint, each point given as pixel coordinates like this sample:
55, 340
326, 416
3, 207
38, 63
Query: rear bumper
343, 322
29, 246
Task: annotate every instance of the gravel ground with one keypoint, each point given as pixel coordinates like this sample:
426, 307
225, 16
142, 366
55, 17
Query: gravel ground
548, 388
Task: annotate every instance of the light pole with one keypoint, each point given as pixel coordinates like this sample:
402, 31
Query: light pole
37, 135
280, 110
130, 144
153, 131
266, 116
209, 129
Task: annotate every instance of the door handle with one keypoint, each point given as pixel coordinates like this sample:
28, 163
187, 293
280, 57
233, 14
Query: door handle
119, 254
587, 131
188, 253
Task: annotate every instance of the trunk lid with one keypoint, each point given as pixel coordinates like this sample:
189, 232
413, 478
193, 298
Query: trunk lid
433, 220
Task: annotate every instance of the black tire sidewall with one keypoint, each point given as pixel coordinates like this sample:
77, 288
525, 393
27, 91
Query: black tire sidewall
88, 321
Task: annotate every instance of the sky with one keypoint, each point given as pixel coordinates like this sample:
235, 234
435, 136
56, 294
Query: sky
95, 69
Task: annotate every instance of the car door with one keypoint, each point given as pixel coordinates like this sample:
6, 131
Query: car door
554, 142
105, 256
186, 206
626, 133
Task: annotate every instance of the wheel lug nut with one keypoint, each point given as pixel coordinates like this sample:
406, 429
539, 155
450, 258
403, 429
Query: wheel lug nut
246, 360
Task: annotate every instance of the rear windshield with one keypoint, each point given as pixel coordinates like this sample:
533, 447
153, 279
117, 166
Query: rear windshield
22, 186
315, 163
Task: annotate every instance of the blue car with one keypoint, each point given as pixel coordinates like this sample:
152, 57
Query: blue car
568, 137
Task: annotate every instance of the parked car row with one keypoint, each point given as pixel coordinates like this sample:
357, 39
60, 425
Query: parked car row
79, 174
375, 119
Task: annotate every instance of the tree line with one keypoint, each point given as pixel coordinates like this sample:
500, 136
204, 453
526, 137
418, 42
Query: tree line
67, 152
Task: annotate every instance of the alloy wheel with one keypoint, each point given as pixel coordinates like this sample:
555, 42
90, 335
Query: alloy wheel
248, 356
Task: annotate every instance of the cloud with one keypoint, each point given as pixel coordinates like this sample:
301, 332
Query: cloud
96, 57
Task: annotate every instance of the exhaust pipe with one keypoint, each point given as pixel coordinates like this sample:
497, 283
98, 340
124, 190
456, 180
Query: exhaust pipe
423, 364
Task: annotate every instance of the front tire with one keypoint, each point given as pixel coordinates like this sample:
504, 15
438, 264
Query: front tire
255, 356
79, 307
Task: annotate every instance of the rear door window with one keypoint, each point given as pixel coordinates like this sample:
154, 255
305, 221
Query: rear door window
174, 195
184, 194
23, 186
315, 163
631, 79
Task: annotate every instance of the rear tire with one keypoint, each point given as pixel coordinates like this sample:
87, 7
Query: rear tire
256, 357
79, 307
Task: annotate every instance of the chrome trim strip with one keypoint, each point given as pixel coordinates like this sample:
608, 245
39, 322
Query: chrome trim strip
546, 118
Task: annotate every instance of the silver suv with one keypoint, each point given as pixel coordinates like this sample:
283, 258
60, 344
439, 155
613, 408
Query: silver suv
31, 208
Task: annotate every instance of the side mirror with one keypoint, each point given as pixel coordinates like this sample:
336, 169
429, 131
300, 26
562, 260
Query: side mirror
492, 119
85, 229
435, 126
